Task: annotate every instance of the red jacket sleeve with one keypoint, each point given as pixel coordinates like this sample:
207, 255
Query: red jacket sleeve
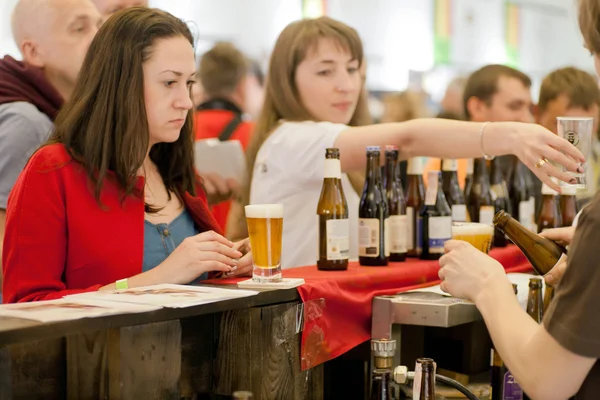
35, 241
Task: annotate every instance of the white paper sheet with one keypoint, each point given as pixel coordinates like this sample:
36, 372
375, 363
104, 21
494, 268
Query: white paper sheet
224, 158
166, 295
65, 310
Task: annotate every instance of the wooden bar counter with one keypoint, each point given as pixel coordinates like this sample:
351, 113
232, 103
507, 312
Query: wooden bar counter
200, 352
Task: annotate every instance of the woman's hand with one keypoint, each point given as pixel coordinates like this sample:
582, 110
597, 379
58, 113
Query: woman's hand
196, 255
244, 267
466, 272
533, 143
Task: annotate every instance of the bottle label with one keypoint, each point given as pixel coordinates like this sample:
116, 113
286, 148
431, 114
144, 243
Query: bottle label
498, 190
386, 237
524, 217
470, 163
338, 239
419, 235
486, 215
432, 189
410, 228
459, 213
398, 230
440, 231
415, 166
368, 237
449, 165
333, 169
511, 390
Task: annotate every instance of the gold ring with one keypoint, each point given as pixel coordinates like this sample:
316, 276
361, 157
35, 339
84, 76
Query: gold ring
541, 162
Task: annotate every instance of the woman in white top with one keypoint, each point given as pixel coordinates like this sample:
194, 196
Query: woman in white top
315, 100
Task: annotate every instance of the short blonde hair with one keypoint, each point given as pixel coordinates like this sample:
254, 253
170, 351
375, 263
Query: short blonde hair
221, 69
404, 106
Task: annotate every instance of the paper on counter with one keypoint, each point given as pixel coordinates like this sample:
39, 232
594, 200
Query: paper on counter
166, 295
66, 310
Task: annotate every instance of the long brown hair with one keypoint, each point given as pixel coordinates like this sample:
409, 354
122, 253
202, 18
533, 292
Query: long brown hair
589, 24
104, 125
282, 100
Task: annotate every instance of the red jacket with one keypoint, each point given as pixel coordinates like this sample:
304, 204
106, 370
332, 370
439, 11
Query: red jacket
209, 124
59, 241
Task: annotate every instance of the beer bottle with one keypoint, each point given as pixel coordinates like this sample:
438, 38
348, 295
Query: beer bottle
519, 194
479, 202
372, 214
542, 253
414, 202
454, 196
427, 379
435, 219
500, 196
469, 179
548, 296
380, 385
535, 304
504, 385
397, 226
332, 212
549, 213
534, 198
568, 205
243, 395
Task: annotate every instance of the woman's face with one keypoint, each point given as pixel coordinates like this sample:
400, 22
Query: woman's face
168, 76
329, 82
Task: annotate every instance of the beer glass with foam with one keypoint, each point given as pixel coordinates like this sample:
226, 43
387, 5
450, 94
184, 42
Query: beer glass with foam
479, 235
265, 229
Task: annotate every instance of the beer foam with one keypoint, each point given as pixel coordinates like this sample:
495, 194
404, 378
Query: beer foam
264, 211
471, 229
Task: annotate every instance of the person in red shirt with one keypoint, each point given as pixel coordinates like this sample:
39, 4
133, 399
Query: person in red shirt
113, 200
223, 73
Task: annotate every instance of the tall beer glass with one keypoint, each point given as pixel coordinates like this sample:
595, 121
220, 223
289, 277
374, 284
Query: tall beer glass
479, 235
579, 132
265, 228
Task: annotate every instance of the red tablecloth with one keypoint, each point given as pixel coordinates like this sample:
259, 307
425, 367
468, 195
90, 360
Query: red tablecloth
337, 305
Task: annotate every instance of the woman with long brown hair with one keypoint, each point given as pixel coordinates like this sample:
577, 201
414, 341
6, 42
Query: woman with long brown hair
315, 99
559, 358
113, 201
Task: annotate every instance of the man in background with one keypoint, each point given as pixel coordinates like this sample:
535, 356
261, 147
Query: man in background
223, 73
53, 37
571, 92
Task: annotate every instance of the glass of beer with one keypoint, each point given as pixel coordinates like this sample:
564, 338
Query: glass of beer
479, 235
265, 229
578, 132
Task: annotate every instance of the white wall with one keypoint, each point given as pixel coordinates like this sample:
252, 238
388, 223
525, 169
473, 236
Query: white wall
7, 45
397, 34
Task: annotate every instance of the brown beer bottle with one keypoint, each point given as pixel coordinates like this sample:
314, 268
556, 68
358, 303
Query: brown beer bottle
427, 387
504, 384
469, 179
479, 202
414, 202
520, 195
535, 302
500, 196
435, 219
549, 212
568, 205
334, 225
542, 253
372, 215
380, 385
548, 296
454, 196
397, 225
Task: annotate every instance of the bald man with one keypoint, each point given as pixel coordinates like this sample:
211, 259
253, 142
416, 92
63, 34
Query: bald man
53, 37
109, 7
